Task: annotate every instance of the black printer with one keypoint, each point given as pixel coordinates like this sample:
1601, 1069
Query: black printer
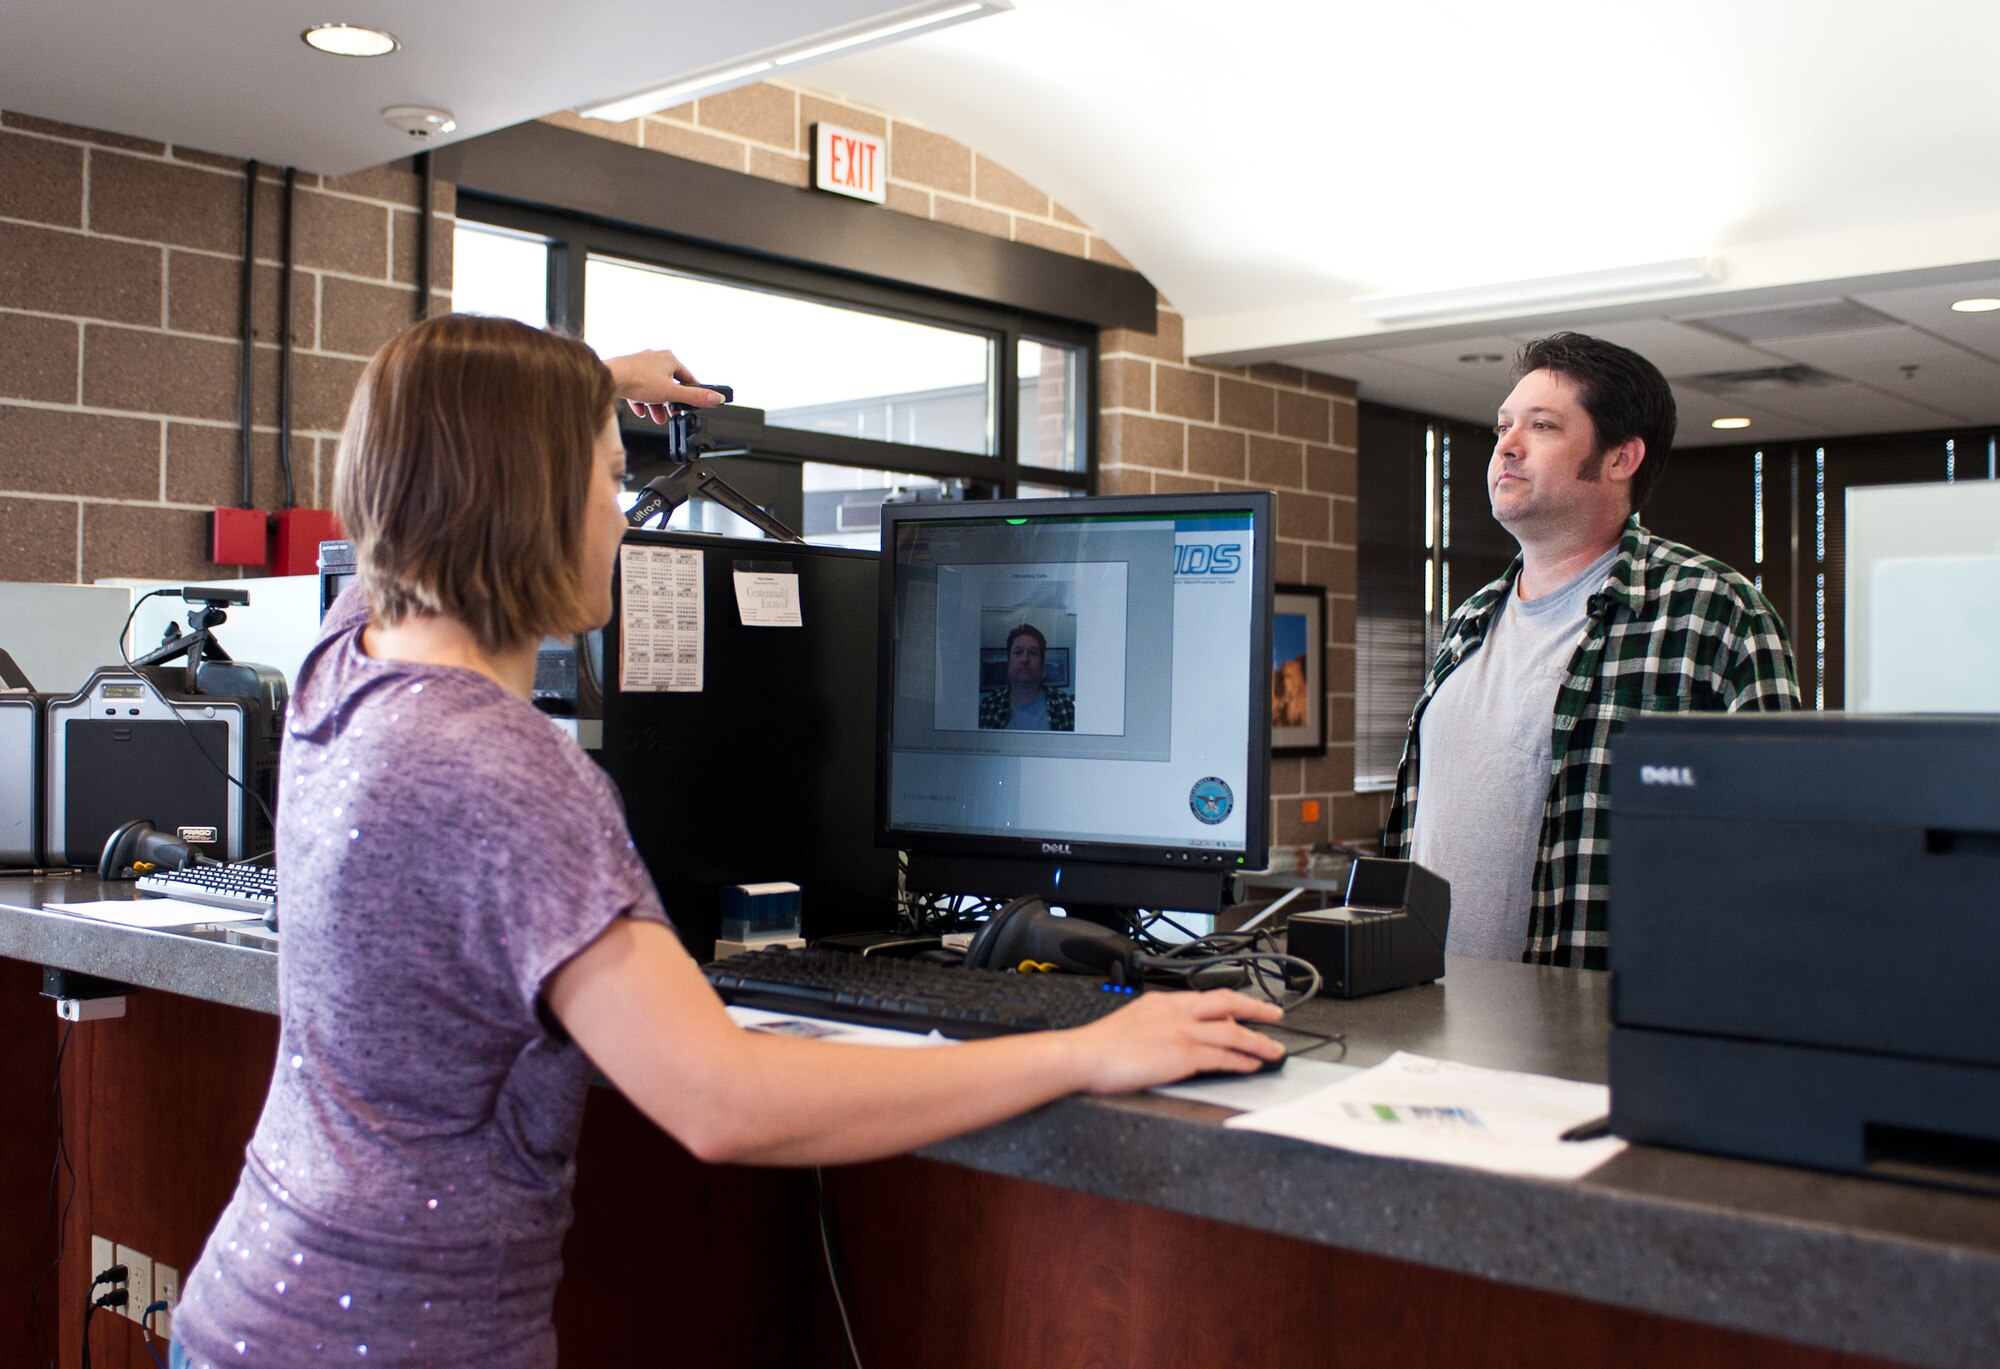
1805, 940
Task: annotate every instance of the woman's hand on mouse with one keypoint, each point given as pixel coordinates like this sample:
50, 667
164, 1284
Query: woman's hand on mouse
1161, 1037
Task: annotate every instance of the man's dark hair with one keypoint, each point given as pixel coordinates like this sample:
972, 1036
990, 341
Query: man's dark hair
1028, 630
1624, 394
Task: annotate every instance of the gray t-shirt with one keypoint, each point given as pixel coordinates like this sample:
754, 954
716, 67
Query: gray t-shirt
1483, 753
1034, 717
442, 851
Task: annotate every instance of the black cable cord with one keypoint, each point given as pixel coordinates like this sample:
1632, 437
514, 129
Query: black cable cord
117, 1297
1286, 980
285, 336
833, 1274
126, 657
248, 322
59, 1232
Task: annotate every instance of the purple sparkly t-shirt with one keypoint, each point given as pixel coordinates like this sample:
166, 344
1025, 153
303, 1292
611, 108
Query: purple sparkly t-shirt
443, 849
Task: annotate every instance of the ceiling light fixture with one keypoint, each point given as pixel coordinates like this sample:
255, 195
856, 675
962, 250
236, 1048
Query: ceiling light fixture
1480, 358
1975, 306
679, 93
1509, 296
1730, 423
874, 35
926, 17
350, 40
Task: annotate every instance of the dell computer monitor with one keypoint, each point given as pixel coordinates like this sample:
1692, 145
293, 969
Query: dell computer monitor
1075, 697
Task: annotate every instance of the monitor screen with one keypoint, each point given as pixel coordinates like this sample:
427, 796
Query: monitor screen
1078, 680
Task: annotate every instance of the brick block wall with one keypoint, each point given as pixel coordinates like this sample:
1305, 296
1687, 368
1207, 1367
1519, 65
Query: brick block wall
1165, 423
119, 354
120, 300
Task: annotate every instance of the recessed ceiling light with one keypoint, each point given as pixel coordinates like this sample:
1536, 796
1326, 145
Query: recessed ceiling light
1975, 306
1730, 423
1481, 358
350, 40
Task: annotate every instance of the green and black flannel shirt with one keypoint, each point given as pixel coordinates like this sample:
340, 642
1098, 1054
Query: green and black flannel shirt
996, 709
1672, 631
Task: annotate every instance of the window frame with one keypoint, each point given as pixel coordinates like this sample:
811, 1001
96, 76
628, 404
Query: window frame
573, 239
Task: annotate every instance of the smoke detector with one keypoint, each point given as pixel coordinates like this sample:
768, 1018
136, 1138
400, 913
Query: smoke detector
421, 122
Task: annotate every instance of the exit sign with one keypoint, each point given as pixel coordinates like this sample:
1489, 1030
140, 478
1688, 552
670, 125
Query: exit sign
850, 163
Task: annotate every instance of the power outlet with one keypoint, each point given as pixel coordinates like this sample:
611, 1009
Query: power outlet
138, 1281
103, 1254
166, 1289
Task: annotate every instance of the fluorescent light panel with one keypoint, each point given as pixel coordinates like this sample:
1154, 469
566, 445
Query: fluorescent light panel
1507, 295
922, 18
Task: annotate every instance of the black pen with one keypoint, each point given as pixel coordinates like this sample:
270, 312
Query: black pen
1588, 1131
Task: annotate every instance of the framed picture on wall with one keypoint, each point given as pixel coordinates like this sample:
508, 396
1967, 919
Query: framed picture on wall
1298, 671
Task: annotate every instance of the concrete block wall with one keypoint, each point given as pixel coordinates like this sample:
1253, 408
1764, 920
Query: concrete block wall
1165, 423
119, 270
120, 352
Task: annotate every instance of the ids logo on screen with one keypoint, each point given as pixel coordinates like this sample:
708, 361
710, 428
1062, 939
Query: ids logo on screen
1211, 800
1202, 558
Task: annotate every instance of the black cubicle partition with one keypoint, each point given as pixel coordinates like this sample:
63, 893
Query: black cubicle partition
768, 771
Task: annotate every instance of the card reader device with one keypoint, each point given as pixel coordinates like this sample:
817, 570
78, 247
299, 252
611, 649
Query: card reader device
1389, 934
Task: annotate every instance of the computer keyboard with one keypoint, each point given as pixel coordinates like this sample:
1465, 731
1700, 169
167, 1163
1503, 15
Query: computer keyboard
242, 888
911, 995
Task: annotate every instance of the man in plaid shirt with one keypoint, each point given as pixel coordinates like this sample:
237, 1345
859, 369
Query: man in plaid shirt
1596, 619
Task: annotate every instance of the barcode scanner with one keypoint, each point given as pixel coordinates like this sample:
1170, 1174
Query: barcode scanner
1026, 930
139, 843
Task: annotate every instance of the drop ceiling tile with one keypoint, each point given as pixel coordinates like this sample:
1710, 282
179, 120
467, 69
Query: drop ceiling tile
1445, 358
1929, 307
1680, 349
1697, 410
1838, 409
1961, 384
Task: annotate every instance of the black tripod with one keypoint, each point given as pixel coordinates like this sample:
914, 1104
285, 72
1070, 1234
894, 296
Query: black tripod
199, 643
693, 476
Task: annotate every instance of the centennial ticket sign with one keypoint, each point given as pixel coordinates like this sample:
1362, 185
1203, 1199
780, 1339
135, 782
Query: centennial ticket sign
850, 163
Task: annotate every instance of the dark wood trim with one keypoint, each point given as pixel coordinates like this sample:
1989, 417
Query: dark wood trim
539, 164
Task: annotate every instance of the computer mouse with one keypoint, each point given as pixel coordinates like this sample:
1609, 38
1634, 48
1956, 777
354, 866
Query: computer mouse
1263, 1067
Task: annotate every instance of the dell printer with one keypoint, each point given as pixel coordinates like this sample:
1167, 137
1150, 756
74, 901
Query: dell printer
1805, 934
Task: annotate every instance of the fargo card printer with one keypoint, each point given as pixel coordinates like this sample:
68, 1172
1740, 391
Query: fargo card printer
185, 749
1805, 930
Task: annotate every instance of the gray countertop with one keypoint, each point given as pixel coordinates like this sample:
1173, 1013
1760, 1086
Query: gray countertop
1851, 1264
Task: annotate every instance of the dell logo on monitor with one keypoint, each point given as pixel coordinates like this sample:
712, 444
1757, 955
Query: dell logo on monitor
1055, 848
1680, 776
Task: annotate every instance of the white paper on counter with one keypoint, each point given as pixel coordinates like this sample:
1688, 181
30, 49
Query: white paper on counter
155, 912
1416, 1108
660, 619
820, 1029
768, 598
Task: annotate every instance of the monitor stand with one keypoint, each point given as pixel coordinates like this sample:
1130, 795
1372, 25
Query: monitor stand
1107, 893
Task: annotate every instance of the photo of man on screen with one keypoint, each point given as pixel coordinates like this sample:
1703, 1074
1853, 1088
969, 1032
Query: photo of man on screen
1026, 703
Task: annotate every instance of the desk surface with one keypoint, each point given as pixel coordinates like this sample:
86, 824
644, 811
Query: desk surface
1851, 1264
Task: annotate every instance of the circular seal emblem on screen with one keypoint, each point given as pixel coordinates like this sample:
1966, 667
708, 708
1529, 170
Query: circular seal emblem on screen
1211, 800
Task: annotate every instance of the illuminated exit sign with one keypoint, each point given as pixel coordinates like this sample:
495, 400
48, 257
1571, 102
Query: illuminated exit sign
850, 163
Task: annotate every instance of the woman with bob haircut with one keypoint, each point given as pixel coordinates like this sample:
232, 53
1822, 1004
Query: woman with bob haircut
468, 929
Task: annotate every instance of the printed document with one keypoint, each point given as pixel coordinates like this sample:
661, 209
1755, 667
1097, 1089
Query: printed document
1416, 1108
